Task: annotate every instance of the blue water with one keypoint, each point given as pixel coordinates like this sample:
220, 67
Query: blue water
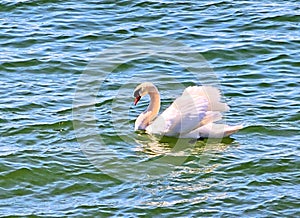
68, 146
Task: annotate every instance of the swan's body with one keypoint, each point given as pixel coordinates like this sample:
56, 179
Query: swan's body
192, 115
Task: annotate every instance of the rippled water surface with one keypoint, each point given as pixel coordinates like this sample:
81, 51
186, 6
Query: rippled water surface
67, 145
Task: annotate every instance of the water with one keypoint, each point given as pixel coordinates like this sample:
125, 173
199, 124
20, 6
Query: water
48, 48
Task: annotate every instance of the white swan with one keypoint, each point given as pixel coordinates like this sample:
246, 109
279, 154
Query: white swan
192, 115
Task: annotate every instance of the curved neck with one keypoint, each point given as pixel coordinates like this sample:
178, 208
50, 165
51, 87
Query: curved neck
154, 105
150, 113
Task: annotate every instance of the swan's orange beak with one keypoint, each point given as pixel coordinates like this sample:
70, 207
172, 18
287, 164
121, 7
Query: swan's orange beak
136, 100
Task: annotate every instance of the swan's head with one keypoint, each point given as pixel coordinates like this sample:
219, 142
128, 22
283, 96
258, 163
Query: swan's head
142, 90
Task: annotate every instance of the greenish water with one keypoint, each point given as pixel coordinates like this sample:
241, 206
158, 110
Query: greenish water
67, 154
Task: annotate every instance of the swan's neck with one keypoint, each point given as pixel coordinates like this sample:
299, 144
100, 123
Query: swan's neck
150, 113
154, 105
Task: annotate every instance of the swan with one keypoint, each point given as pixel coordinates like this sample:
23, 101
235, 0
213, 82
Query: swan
191, 115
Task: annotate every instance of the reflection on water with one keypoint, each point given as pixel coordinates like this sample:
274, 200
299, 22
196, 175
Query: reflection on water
154, 145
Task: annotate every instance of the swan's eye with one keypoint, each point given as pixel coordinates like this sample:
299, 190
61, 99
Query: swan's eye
141, 92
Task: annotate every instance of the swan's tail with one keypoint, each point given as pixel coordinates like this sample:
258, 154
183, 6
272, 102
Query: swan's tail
213, 130
229, 130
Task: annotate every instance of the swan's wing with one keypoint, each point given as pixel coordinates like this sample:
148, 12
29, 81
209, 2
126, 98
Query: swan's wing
197, 106
212, 94
182, 116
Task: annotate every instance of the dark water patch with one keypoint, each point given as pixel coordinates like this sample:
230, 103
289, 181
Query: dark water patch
271, 130
283, 18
